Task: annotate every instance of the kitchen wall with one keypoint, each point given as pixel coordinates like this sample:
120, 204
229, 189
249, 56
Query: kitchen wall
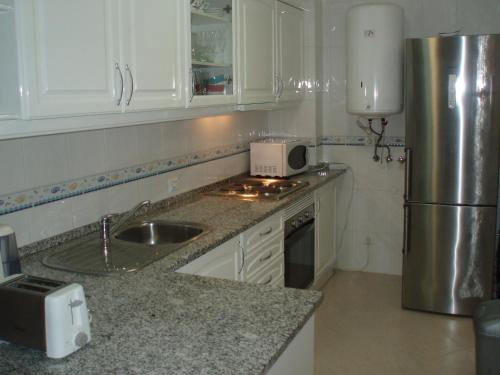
373, 236
197, 152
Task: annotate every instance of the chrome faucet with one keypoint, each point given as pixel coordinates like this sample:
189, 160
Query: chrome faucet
105, 229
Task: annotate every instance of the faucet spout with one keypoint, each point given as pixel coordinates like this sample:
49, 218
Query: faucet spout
106, 231
128, 215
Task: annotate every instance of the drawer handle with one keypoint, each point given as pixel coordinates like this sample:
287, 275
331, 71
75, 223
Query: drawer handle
268, 280
268, 231
266, 257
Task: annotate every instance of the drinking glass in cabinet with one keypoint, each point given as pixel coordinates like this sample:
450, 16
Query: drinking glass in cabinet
212, 47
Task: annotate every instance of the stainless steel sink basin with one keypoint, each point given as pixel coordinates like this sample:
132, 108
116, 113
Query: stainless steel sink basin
132, 248
160, 232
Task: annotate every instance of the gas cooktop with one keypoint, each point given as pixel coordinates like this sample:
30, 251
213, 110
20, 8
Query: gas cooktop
258, 188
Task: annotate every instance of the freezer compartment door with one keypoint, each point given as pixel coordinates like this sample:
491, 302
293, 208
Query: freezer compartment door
448, 260
452, 119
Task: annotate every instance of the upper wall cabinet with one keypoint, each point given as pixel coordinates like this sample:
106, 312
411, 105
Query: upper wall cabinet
271, 52
210, 45
152, 53
256, 55
290, 52
99, 56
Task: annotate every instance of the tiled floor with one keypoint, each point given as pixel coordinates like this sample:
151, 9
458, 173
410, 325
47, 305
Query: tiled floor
361, 329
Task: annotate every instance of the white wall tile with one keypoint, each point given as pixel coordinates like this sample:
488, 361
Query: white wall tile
88, 208
121, 198
19, 221
11, 167
50, 219
174, 137
479, 16
86, 153
153, 188
45, 160
121, 147
150, 143
439, 16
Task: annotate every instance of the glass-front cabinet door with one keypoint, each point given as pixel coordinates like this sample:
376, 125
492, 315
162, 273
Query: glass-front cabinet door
211, 72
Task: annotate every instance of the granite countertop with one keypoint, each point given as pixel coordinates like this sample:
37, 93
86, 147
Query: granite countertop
156, 321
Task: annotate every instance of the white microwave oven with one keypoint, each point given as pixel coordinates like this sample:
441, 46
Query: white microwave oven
278, 157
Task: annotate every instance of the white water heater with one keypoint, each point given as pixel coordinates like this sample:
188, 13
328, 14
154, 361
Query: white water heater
375, 60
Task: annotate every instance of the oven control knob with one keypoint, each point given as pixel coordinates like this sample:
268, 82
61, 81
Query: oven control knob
293, 224
300, 220
307, 215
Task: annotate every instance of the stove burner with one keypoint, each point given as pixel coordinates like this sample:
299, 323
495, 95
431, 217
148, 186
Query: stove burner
259, 188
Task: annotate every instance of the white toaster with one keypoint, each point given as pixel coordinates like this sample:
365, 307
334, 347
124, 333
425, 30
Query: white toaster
44, 314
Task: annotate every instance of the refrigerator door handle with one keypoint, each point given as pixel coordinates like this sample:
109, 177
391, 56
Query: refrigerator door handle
408, 165
406, 230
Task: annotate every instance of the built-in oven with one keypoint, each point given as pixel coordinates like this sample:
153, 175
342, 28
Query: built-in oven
299, 249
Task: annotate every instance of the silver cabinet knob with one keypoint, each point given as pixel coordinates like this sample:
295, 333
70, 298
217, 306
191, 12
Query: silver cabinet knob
402, 158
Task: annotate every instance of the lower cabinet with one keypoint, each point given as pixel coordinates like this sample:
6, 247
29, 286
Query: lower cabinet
298, 357
255, 256
224, 262
325, 233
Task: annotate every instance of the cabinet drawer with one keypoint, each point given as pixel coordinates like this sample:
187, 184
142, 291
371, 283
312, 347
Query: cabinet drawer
271, 275
262, 231
260, 256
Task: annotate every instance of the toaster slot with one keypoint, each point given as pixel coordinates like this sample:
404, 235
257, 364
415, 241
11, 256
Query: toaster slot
34, 284
32, 287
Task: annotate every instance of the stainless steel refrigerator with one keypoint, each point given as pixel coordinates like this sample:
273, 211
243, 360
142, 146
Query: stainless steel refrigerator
452, 165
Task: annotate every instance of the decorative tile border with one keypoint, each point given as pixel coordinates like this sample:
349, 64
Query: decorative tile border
336, 140
66, 189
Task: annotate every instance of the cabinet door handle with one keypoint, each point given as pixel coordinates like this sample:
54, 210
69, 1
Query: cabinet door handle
122, 87
268, 280
277, 85
282, 87
242, 256
268, 256
268, 231
127, 69
193, 85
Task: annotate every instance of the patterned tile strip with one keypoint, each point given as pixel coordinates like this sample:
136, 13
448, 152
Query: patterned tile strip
336, 140
46, 194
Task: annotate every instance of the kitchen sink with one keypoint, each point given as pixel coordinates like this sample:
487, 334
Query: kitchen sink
134, 247
160, 232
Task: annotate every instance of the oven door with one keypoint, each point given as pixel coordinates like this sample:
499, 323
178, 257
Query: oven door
297, 159
299, 257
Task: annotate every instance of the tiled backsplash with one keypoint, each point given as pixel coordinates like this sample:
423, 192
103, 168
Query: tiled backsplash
167, 159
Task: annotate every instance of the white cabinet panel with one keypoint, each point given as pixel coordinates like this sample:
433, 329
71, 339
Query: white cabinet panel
152, 52
256, 65
70, 51
290, 52
222, 262
263, 231
298, 357
325, 229
261, 256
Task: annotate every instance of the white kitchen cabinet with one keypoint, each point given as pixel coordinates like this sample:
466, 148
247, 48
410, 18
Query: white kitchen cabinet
152, 53
290, 52
255, 256
99, 56
325, 232
256, 51
298, 357
223, 262
68, 54
210, 47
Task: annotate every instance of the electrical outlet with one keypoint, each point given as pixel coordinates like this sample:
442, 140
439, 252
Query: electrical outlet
172, 184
